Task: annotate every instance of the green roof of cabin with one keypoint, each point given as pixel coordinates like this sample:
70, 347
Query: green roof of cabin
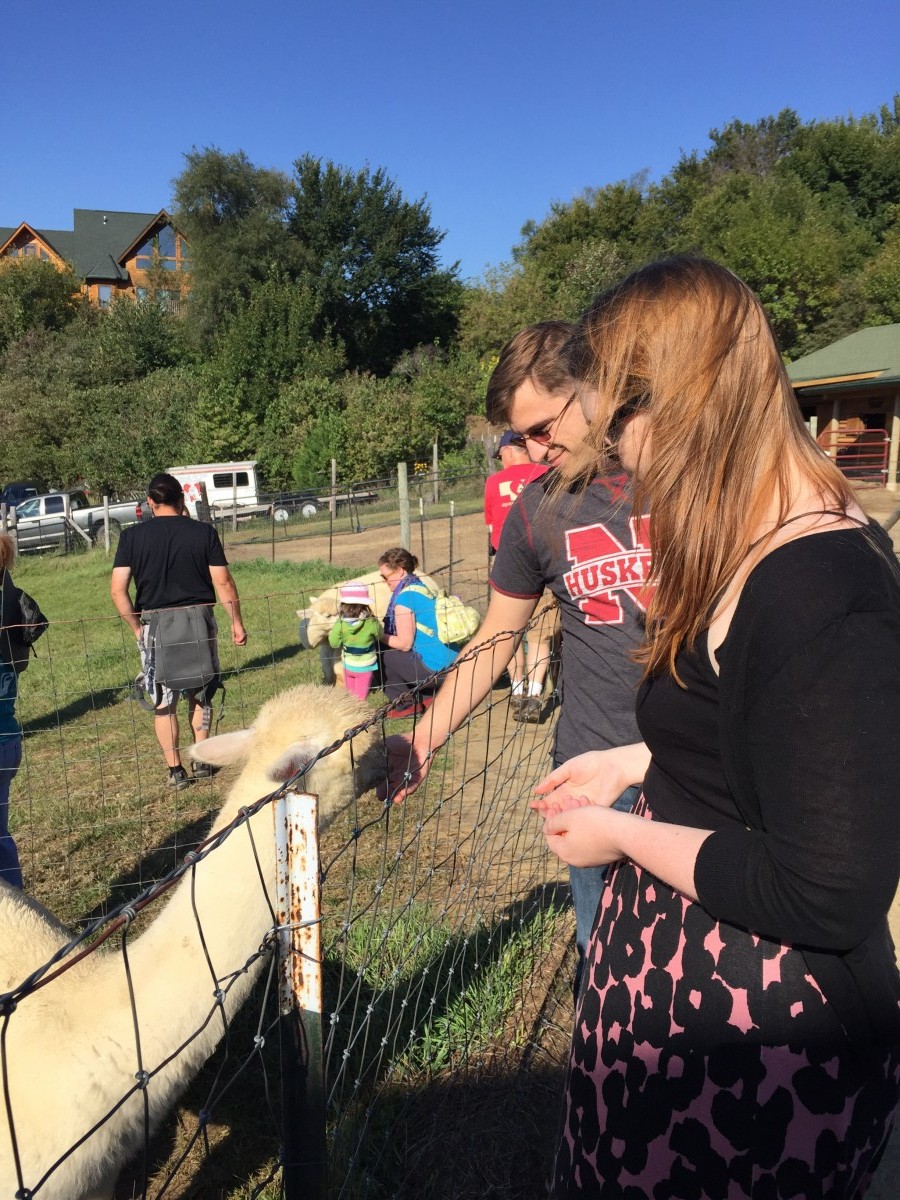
874, 352
98, 241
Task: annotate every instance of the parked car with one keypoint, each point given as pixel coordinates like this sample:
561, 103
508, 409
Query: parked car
45, 522
23, 489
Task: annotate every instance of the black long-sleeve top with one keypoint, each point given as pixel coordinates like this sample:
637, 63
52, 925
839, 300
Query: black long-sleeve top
792, 757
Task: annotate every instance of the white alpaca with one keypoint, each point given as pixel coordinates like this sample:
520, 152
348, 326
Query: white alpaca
70, 1046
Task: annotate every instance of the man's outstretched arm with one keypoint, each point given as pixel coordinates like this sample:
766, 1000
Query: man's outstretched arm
463, 690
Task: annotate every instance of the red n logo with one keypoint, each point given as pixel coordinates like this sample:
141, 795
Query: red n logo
602, 569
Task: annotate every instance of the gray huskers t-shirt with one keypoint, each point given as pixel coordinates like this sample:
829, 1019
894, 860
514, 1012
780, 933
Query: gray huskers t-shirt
594, 556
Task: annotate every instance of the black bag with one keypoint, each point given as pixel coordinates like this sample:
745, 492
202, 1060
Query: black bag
21, 623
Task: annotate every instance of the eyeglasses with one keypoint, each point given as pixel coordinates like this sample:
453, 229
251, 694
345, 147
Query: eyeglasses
543, 434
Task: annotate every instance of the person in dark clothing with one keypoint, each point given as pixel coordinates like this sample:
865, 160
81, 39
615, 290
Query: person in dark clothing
10, 729
176, 564
738, 1031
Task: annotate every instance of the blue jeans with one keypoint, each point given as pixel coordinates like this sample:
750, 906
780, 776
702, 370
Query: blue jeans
10, 757
587, 885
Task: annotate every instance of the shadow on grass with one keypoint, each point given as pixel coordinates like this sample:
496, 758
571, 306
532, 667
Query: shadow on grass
155, 864
411, 1122
75, 709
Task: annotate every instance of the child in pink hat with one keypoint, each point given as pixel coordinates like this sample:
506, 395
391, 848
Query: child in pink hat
356, 632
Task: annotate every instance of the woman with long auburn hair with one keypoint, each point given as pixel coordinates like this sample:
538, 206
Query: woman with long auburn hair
738, 1030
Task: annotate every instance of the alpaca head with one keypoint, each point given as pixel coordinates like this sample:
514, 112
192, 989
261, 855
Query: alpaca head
288, 733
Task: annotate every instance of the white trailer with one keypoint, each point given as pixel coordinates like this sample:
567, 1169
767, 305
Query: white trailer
230, 487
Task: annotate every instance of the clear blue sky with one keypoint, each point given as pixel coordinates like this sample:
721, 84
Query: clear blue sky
492, 109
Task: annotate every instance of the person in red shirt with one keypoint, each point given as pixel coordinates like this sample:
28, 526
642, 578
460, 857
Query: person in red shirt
501, 490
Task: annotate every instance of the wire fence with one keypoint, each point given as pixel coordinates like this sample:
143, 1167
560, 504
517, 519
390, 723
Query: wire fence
443, 927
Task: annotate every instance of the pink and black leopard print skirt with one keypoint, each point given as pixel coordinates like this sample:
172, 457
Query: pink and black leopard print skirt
706, 1065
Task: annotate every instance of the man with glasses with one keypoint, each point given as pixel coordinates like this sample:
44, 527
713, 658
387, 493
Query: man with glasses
592, 554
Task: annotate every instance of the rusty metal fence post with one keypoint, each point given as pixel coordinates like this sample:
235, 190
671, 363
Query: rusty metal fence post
298, 909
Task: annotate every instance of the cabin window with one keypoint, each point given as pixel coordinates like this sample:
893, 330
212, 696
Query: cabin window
29, 250
104, 294
165, 249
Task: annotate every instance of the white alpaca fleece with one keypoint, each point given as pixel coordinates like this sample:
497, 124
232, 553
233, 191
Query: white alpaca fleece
70, 1046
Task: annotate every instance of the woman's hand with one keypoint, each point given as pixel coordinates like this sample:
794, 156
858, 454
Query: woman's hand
586, 836
598, 777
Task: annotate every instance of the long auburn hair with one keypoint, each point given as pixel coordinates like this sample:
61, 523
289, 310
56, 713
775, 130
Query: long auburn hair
686, 341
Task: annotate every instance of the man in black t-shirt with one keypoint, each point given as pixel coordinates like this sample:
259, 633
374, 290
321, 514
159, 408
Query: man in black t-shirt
179, 569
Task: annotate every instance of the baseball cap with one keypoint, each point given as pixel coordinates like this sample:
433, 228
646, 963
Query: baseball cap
355, 593
508, 438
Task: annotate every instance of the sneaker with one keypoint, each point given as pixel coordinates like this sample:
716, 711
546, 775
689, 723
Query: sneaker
530, 710
202, 770
178, 778
516, 701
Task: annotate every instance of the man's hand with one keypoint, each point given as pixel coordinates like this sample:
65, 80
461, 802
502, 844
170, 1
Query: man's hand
238, 633
407, 766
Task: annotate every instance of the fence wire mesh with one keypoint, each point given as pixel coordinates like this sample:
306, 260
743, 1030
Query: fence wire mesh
443, 928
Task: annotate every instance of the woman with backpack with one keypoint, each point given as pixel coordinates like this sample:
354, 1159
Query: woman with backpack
411, 649
10, 729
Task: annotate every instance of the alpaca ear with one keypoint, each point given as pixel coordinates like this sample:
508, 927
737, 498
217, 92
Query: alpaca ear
295, 759
224, 749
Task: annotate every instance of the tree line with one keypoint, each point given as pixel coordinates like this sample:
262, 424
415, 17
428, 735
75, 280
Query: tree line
321, 324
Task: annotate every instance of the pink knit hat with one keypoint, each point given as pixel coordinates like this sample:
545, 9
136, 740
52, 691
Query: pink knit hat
355, 593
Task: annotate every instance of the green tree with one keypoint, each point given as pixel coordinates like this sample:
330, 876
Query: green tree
379, 417
753, 149
35, 295
372, 258
607, 215
276, 335
508, 298
233, 215
880, 282
854, 164
130, 430
133, 339
290, 422
325, 439
777, 236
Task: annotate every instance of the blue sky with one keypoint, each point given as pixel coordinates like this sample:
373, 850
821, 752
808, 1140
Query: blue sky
491, 109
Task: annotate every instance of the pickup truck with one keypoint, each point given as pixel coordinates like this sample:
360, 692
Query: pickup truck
45, 522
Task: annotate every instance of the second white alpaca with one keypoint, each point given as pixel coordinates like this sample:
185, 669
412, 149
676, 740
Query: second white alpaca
70, 1046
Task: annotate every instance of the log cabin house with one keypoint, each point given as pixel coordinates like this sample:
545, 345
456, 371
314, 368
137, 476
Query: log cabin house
114, 253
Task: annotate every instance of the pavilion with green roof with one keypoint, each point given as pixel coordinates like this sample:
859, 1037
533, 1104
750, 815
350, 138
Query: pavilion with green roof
850, 396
